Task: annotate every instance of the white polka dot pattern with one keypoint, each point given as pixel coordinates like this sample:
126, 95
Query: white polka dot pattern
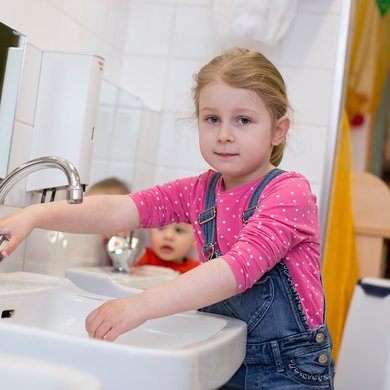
285, 225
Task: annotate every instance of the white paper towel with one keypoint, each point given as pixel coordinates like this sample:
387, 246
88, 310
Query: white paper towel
265, 21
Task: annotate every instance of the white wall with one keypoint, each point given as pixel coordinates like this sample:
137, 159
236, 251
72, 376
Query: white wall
153, 47
178, 38
96, 26
85, 26
116, 135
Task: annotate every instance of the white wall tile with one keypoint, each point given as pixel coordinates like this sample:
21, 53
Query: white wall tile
20, 148
157, 2
146, 77
41, 251
106, 19
150, 29
320, 6
13, 262
192, 32
99, 170
108, 94
322, 30
144, 176
105, 122
194, 2
122, 170
60, 31
189, 2
17, 14
149, 136
124, 137
178, 97
128, 100
303, 153
310, 93
179, 147
148, 146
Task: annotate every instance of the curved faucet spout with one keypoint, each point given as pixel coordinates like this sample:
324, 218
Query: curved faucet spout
74, 189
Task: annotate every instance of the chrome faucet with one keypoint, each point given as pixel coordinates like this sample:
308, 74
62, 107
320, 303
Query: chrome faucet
124, 251
74, 192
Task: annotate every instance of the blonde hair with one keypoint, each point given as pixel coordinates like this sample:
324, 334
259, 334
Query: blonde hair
110, 186
242, 68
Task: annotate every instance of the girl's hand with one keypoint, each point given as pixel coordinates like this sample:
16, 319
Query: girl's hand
14, 229
114, 318
204, 285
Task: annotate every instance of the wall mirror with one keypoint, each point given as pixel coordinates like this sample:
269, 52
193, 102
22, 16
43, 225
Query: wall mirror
116, 134
12, 44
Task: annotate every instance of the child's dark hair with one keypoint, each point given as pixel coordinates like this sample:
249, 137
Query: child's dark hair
242, 68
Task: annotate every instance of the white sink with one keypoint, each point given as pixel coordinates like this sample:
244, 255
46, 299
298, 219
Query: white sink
105, 281
42, 317
21, 373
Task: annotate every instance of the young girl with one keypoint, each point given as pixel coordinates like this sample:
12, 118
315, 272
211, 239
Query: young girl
258, 241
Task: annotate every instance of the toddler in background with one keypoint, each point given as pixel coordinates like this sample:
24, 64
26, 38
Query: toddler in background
169, 247
109, 186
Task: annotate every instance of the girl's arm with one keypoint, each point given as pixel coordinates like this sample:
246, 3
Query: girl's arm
204, 285
97, 214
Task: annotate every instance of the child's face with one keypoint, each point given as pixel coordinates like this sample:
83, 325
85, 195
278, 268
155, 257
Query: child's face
172, 242
236, 133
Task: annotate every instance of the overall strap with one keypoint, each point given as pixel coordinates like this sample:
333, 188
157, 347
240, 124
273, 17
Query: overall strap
207, 218
252, 206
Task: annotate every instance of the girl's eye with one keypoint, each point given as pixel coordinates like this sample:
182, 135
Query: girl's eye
244, 121
212, 119
179, 230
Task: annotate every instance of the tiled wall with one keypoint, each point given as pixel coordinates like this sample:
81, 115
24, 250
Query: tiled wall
153, 47
85, 26
116, 134
159, 69
98, 27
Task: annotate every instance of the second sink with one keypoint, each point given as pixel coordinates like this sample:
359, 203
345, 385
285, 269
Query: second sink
105, 281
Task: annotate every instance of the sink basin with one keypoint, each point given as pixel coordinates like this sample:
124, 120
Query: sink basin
105, 281
42, 317
20, 373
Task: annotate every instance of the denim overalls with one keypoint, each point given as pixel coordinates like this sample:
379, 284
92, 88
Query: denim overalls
282, 351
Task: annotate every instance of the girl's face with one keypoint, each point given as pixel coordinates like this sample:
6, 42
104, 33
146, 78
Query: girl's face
236, 133
172, 242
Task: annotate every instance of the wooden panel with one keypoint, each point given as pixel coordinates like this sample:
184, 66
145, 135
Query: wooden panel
370, 204
370, 256
371, 212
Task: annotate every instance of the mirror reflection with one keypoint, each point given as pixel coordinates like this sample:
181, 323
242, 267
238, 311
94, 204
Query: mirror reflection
12, 45
116, 134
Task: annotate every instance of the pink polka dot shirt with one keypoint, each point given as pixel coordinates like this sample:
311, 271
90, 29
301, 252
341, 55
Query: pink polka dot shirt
284, 226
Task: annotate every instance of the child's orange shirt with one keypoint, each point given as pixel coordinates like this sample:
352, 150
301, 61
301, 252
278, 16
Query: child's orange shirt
150, 258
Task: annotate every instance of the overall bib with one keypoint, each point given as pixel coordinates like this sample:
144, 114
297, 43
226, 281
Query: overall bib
282, 351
